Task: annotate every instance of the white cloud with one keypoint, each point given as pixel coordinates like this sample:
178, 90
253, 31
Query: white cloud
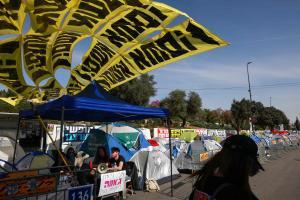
192, 74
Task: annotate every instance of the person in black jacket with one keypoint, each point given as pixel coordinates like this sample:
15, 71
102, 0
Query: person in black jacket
226, 175
117, 161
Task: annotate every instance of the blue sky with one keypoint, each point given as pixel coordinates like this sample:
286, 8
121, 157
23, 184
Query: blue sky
266, 32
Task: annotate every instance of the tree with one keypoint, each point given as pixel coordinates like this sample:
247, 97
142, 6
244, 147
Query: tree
181, 106
176, 104
194, 104
273, 117
227, 117
137, 91
297, 124
240, 113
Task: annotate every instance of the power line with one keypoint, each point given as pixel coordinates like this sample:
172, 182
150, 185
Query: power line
239, 87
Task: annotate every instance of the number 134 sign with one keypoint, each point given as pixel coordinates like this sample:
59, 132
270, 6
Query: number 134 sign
81, 193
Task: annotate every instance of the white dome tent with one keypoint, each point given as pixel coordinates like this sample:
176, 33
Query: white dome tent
7, 148
153, 164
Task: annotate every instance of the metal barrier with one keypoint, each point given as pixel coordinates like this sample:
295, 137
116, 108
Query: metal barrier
53, 186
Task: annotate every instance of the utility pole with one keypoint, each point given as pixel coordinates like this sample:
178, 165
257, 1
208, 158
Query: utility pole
270, 101
249, 90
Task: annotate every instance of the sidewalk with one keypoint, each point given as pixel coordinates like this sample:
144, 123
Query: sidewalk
279, 181
182, 189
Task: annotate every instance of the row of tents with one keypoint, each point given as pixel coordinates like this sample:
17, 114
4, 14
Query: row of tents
134, 145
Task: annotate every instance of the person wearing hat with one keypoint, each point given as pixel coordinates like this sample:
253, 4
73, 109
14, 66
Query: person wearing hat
226, 175
84, 176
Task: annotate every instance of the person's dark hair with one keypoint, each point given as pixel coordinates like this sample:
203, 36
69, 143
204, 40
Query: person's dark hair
235, 162
70, 151
99, 159
115, 149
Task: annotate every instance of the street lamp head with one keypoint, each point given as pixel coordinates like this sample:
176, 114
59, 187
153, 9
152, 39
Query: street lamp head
249, 63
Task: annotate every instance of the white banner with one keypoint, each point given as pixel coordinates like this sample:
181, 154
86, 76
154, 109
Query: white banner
112, 183
161, 132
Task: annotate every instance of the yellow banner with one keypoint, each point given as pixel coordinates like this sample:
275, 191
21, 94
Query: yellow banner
134, 25
46, 16
175, 133
10, 67
172, 45
37, 48
12, 17
129, 38
62, 48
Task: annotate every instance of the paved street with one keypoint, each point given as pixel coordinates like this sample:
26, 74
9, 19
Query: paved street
281, 180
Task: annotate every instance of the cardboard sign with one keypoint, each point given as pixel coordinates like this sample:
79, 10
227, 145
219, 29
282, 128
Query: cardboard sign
112, 183
81, 193
26, 187
204, 156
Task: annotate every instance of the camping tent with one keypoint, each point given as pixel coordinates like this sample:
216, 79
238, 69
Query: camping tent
153, 164
189, 158
146, 133
129, 136
212, 145
255, 138
158, 146
7, 147
6, 167
100, 138
35, 160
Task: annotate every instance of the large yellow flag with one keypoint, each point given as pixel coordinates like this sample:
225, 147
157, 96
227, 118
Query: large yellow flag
128, 38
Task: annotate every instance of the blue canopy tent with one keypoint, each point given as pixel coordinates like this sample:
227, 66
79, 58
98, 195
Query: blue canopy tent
92, 104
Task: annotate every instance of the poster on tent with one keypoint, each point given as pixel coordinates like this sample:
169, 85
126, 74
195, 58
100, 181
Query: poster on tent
201, 131
112, 182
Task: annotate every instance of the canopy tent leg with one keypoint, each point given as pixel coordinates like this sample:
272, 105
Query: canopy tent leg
61, 127
16, 141
170, 147
53, 142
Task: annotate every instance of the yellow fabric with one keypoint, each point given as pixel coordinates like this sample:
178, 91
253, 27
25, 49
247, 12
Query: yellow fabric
12, 17
11, 100
129, 38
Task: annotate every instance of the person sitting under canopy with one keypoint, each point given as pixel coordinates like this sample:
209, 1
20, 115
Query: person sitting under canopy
117, 161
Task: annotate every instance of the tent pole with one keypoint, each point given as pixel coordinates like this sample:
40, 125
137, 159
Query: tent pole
61, 127
16, 141
170, 147
53, 142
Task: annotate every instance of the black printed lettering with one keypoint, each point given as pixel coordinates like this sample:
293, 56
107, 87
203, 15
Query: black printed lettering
198, 33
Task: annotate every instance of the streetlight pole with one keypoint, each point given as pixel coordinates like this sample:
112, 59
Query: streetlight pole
249, 90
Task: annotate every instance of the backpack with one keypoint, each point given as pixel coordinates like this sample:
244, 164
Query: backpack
151, 185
